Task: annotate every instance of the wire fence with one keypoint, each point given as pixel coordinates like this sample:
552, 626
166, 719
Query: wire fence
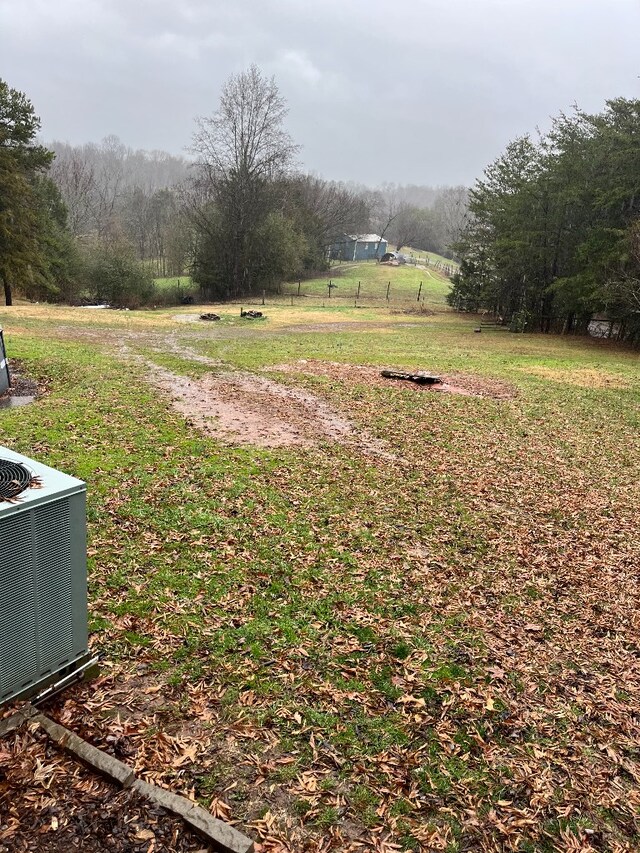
340, 289
445, 267
359, 294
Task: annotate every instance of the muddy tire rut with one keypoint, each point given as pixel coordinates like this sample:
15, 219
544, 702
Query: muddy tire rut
247, 409
244, 409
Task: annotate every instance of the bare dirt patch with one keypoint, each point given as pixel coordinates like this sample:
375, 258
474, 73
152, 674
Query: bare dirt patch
22, 385
23, 388
453, 383
245, 409
248, 409
186, 318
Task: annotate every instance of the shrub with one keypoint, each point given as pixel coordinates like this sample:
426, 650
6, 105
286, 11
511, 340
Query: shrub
115, 277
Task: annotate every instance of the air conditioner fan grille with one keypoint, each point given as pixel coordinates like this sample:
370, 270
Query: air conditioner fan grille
14, 479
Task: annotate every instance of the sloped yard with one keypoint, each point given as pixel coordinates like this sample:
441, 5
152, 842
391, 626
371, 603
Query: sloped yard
428, 645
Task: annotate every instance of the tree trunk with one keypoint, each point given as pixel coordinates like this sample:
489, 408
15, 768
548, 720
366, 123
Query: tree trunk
8, 299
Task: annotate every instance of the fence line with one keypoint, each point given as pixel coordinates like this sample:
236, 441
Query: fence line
359, 294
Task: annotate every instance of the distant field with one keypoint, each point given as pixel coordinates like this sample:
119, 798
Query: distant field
367, 280
178, 281
374, 279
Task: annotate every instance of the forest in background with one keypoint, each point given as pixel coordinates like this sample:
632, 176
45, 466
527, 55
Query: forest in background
548, 238
553, 233
99, 221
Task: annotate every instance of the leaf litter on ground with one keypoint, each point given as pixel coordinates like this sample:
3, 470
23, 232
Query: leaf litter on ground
438, 651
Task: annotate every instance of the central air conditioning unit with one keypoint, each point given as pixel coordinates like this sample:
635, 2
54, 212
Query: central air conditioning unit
43, 577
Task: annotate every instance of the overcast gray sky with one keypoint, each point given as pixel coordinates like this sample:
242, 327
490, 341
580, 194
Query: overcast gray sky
411, 91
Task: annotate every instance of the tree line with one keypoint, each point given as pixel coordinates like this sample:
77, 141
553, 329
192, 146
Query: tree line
59, 237
553, 232
100, 221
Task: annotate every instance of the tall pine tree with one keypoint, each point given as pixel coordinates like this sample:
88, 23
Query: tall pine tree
22, 161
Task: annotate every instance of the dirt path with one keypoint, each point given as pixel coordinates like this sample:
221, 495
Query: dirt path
245, 409
251, 410
242, 409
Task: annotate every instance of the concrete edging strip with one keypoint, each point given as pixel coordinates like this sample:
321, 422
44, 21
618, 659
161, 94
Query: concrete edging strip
220, 835
106, 764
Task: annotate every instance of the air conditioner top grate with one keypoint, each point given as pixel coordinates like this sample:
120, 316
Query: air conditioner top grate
14, 479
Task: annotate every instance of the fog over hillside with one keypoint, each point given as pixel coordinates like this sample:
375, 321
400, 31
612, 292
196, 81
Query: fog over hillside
422, 92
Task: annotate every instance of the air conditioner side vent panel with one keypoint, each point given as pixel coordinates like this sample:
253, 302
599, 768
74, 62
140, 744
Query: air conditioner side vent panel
54, 583
43, 582
18, 645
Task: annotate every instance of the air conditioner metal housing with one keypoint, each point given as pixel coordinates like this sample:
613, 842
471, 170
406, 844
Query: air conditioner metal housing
5, 379
43, 582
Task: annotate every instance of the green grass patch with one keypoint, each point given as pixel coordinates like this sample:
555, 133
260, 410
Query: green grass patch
369, 283
384, 637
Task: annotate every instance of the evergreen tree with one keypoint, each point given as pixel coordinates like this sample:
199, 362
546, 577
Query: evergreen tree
21, 162
552, 226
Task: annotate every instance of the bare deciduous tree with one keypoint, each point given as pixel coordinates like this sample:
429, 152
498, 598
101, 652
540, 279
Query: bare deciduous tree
408, 226
335, 209
242, 150
245, 137
74, 176
452, 209
384, 209
98, 180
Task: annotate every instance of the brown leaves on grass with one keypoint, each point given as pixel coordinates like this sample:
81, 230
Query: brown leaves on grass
358, 374
581, 377
436, 652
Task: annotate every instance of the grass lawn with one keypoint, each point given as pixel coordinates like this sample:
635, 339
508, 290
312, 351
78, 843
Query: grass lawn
431, 257
432, 648
183, 281
172, 289
373, 279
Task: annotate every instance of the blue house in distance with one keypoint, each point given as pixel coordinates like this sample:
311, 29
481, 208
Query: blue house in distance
358, 247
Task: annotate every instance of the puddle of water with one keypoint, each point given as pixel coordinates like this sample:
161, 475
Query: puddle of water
15, 402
